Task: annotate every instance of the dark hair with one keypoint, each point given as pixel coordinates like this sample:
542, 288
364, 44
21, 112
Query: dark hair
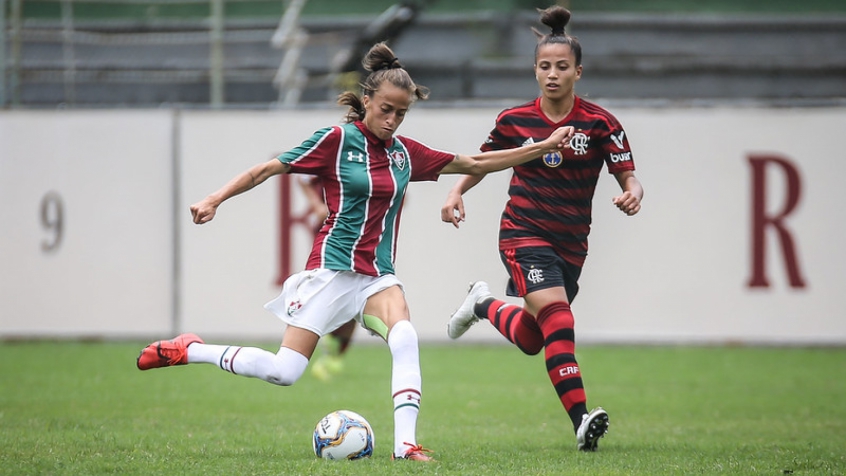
383, 66
556, 18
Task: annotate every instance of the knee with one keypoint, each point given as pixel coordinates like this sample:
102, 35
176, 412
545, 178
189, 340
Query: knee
402, 335
283, 376
286, 368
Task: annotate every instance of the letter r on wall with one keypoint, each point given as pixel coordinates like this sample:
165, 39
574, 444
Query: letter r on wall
761, 221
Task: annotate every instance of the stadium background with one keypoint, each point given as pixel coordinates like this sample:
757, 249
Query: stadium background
117, 115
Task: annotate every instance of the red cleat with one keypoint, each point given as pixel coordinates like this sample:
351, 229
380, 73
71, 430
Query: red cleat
166, 353
414, 453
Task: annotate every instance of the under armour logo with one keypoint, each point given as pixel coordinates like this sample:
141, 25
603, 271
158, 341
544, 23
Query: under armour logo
352, 156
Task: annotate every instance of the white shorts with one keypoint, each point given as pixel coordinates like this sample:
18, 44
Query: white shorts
322, 300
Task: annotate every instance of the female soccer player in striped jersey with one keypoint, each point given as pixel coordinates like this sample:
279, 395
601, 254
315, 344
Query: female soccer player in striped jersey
365, 170
545, 225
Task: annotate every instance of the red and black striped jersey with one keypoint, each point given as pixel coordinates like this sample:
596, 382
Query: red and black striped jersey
550, 197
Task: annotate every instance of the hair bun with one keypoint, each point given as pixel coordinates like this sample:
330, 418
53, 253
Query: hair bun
392, 63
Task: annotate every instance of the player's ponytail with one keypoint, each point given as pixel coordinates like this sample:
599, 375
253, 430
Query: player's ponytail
383, 66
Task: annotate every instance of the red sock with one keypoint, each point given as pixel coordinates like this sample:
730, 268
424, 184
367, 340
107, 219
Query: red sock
556, 322
517, 325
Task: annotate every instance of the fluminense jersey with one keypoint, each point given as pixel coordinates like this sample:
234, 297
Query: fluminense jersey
550, 197
364, 180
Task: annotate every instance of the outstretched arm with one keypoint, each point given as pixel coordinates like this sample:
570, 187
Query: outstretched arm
629, 201
494, 160
204, 210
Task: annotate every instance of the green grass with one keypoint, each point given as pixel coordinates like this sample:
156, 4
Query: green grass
81, 408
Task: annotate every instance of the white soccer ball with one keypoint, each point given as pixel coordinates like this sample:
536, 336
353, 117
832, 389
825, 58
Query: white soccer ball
343, 434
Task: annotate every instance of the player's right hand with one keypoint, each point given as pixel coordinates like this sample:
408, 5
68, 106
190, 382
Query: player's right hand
203, 211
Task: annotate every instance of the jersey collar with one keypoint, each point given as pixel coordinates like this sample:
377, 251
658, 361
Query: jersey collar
371, 137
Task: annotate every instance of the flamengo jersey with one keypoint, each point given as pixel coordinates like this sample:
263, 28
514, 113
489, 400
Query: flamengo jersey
364, 180
550, 197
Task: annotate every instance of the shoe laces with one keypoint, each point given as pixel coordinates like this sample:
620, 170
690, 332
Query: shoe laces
415, 449
171, 350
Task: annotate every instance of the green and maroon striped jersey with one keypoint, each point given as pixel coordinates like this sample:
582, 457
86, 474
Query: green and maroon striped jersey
364, 180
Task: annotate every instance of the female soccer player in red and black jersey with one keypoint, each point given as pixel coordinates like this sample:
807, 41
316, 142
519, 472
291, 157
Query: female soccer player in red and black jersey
545, 225
365, 170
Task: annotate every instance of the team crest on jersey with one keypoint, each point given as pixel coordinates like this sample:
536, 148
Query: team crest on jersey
398, 157
579, 143
553, 159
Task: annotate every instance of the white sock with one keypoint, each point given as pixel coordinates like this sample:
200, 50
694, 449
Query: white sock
406, 384
283, 368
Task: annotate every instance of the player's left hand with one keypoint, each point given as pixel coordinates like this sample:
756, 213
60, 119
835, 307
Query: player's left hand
453, 210
627, 203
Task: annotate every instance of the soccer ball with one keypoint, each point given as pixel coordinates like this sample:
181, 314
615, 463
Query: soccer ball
343, 434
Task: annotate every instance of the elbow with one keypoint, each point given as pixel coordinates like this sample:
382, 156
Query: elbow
477, 168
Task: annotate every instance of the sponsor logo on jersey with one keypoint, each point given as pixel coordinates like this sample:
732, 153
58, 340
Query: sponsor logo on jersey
535, 275
398, 157
528, 141
579, 143
621, 157
618, 139
353, 157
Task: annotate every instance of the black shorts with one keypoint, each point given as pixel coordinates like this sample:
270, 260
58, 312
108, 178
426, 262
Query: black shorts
535, 268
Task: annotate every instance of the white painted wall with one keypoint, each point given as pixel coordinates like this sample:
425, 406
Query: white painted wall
110, 274
677, 272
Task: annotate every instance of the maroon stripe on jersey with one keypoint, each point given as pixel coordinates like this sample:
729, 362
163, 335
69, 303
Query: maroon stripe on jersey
332, 193
381, 183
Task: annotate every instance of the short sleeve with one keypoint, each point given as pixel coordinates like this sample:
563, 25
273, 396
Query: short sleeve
615, 148
316, 155
426, 162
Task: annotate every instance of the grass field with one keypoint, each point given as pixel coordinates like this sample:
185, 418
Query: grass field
83, 409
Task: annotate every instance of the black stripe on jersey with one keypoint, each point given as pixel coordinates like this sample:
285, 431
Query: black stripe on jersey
506, 112
529, 122
599, 111
570, 192
537, 193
